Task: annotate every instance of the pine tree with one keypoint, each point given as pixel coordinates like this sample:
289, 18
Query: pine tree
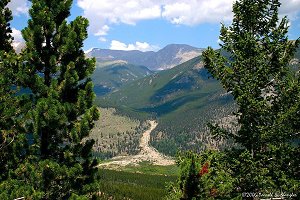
12, 145
5, 49
5, 30
56, 72
5, 91
203, 176
267, 93
190, 180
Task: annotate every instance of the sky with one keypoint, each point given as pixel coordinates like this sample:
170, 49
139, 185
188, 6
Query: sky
149, 25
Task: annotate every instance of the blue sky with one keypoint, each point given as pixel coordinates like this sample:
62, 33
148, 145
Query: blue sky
152, 24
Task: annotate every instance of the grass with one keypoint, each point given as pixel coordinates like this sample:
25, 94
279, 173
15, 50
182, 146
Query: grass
110, 123
147, 168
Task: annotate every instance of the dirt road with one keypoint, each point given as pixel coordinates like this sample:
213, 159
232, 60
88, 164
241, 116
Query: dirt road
147, 153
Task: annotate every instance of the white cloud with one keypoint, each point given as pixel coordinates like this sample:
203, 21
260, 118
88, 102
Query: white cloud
18, 7
290, 8
141, 46
103, 13
103, 31
186, 12
18, 39
194, 12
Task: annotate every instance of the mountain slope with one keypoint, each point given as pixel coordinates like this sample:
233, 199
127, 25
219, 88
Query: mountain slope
165, 58
108, 77
183, 99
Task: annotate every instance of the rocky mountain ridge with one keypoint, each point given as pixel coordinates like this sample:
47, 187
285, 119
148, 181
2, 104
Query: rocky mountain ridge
166, 58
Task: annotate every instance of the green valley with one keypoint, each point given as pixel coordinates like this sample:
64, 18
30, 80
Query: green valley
182, 99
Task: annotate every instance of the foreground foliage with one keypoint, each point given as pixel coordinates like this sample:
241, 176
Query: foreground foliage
12, 137
48, 156
204, 176
267, 91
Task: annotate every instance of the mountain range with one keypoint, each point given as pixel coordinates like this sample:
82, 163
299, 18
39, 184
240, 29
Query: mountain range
168, 57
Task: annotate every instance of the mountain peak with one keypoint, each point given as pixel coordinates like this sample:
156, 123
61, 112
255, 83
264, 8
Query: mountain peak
168, 57
179, 46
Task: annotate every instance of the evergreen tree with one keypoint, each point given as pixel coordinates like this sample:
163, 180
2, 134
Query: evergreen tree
12, 145
61, 114
267, 93
5, 91
204, 176
5, 48
190, 180
5, 30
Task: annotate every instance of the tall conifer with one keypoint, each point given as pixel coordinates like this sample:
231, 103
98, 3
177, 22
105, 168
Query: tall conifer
5, 50
56, 72
12, 142
5, 30
267, 92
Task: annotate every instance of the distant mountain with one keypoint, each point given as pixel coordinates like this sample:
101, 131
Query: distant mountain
183, 100
108, 76
168, 57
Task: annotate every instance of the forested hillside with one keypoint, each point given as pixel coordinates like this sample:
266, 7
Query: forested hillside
110, 76
182, 99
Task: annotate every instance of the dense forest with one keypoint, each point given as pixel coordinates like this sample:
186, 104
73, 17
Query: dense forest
47, 112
